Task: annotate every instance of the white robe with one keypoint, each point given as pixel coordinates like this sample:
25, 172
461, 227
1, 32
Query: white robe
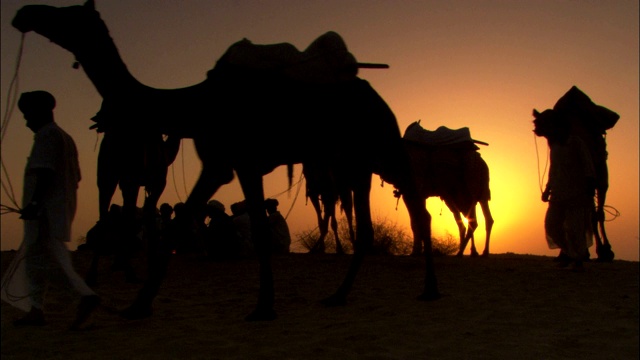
43, 245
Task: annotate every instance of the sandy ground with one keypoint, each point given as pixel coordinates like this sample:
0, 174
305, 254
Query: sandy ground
508, 306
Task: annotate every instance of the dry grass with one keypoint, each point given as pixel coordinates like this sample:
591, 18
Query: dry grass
389, 238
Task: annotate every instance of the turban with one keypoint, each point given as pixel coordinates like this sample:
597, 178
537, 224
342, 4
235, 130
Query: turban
216, 205
40, 101
271, 203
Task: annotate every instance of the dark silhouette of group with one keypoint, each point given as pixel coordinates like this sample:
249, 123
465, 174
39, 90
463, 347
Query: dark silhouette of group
220, 236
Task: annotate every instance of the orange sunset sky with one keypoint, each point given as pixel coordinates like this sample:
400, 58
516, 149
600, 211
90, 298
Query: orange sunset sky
480, 64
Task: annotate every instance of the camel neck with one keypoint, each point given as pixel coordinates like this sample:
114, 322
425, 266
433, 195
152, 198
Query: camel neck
103, 65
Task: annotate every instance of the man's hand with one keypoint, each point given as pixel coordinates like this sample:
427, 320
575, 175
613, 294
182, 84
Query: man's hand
30, 212
545, 196
546, 193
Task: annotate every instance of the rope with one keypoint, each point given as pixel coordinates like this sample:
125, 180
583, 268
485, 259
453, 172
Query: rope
13, 92
184, 178
10, 194
12, 99
287, 189
611, 211
540, 177
296, 197
11, 271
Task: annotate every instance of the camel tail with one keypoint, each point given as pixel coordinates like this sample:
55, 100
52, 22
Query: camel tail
290, 175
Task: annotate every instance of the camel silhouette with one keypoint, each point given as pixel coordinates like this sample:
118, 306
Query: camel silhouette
450, 167
131, 160
590, 123
324, 194
245, 117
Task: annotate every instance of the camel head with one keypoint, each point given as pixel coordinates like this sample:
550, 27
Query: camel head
551, 125
72, 27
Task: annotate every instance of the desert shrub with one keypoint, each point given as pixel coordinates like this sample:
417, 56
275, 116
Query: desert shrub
444, 246
388, 238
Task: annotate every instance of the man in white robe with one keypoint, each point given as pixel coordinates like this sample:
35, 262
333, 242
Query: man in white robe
51, 180
569, 191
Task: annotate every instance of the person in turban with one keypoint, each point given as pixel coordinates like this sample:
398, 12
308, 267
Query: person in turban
49, 200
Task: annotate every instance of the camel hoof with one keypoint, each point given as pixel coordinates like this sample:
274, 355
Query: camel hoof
474, 254
459, 254
429, 296
334, 300
261, 315
485, 254
606, 257
137, 312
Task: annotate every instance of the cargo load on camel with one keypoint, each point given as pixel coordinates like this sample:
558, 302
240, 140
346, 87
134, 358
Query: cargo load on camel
590, 115
326, 60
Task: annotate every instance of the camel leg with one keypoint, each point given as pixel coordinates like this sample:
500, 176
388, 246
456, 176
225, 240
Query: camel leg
469, 235
418, 240
603, 247
421, 227
473, 225
210, 180
108, 177
334, 227
488, 220
364, 236
323, 226
461, 230
347, 206
124, 254
251, 183
331, 215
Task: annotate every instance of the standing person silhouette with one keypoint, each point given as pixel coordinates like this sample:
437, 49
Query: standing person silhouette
221, 238
280, 236
49, 200
569, 192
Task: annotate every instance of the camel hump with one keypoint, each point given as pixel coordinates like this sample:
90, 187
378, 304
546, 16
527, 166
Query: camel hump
591, 115
442, 136
326, 60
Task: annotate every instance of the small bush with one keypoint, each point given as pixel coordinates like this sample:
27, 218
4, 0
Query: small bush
388, 238
445, 246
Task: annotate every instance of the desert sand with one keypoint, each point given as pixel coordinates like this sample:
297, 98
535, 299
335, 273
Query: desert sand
507, 306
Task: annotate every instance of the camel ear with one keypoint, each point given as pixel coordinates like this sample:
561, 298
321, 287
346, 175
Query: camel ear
535, 113
91, 4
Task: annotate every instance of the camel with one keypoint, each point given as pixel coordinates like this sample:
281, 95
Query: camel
324, 194
453, 170
590, 123
245, 118
132, 161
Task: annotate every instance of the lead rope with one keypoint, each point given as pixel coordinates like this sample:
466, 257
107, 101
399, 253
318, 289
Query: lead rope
12, 98
540, 176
